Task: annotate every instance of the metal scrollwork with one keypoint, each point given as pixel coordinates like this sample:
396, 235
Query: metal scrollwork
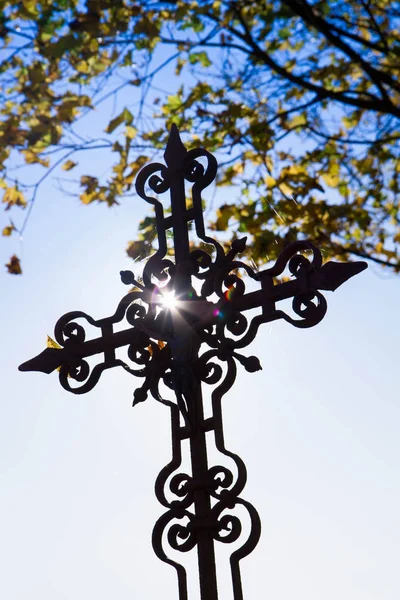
176, 351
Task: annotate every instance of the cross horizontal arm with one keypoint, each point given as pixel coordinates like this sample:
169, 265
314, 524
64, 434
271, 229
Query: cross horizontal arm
329, 277
52, 358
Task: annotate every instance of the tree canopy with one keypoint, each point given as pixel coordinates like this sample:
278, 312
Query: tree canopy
300, 98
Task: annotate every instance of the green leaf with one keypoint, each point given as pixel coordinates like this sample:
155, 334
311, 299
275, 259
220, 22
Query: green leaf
124, 117
62, 46
224, 214
200, 57
298, 120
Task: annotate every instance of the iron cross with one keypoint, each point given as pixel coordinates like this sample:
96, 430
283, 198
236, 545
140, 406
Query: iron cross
165, 343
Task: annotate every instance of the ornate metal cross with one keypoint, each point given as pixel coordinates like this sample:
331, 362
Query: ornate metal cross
165, 348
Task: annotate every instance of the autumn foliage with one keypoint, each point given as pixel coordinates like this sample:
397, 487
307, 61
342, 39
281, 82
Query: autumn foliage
300, 99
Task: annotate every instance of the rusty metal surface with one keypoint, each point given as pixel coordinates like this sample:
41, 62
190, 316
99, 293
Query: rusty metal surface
195, 345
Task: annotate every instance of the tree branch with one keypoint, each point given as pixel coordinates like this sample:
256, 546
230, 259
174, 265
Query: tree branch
306, 12
349, 250
376, 105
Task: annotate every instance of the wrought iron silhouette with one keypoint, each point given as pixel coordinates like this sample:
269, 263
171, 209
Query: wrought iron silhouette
165, 347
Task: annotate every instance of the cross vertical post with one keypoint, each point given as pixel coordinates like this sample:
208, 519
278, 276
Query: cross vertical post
202, 504
175, 158
177, 351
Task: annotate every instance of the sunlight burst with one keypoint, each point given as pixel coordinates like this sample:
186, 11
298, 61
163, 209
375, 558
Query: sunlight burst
169, 300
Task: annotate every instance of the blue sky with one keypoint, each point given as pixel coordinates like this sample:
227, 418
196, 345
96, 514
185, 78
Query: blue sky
317, 428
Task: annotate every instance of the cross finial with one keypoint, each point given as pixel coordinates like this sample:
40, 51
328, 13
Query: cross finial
175, 151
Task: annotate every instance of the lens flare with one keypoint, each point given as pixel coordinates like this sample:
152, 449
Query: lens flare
169, 300
229, 293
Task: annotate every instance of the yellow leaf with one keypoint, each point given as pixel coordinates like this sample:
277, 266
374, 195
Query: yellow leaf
50, 343
298, 120
270, 181
295, 169
137, 165
332, 179
269, 163
114, 123
68, 165
82, 67
130, 132
13, 197
286, 189
8, 230
125, 117
30, 7
87, 198
351, 121
33, 158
